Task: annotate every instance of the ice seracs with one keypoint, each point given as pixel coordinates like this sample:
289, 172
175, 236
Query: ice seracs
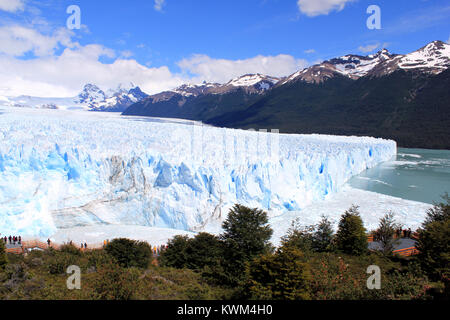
61, 169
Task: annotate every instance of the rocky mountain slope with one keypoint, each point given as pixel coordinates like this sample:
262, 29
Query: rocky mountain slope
400, 97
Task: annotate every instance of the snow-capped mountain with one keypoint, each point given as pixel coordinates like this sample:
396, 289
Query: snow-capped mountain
120, 99
91, 95
433, 58
251, 83
194, 101
91, 98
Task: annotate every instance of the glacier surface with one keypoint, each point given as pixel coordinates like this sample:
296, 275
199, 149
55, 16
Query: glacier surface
72, 169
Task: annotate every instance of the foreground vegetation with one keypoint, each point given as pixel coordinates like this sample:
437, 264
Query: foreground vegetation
311, 263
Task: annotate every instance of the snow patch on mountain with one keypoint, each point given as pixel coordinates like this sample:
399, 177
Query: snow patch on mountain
91, 98
253, 79
433, 58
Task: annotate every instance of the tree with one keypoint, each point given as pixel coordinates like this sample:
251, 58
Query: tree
3, 257
439, 212
433, 241
175, 254
323, 236
246, 235
314, 238
298, 237
130, 253
385, 233
351, 237
204, 250
282, 275
247, 230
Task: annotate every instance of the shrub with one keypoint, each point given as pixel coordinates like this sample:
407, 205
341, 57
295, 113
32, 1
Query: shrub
204, 250
279, 276
299, 238
70, 249
439, 212
115, 283
130, 253
433, 243
175, 254
3, 257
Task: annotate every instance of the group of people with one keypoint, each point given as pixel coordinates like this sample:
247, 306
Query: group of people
403, 233
82, 246
158, 249
17, 240
13, 240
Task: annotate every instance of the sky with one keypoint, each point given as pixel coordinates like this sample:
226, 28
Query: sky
161, 44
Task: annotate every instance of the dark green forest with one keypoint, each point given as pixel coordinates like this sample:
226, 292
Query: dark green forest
411, 108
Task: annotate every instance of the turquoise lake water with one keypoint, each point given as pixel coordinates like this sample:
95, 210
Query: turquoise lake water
414, 174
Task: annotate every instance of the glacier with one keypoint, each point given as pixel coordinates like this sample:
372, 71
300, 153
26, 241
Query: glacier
71, 169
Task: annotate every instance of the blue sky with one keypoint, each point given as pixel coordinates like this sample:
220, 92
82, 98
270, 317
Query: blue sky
161, 44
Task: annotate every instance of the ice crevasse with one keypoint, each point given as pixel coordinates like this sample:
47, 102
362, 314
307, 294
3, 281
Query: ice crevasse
62, 169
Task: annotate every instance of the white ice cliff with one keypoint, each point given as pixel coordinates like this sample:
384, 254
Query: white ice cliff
64, 169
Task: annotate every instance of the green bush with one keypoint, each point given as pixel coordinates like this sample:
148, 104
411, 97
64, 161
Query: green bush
3, 257
175, 254
112, 282
204, 250
314, 238
130, 253
60, 262
279, 276
70, 249
433, 243
301, 238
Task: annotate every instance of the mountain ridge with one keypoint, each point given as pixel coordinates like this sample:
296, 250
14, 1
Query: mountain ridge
385, 95
91, 98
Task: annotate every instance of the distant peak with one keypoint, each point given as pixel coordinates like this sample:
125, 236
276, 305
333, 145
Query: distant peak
90, 86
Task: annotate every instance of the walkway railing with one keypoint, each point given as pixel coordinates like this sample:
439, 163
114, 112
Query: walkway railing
407, 252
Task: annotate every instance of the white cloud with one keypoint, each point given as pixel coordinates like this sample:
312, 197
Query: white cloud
64, 75
11, 5
127, 54
314, 8
159, 4
369, 47
448, 41
57, 66
221, 70
310, 51
17, 40
47, 74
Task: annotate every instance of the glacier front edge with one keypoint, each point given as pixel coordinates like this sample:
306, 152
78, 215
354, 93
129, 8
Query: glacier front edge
67, 169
